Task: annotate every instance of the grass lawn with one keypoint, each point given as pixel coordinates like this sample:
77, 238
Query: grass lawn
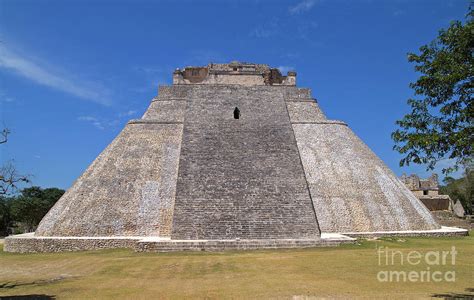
346, 271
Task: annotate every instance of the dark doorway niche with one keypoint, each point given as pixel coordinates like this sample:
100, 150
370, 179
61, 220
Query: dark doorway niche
236, 113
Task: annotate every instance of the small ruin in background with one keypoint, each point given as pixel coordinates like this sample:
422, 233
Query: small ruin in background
444, 209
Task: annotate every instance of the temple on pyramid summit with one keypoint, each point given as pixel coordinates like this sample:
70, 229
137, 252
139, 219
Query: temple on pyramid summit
231, 156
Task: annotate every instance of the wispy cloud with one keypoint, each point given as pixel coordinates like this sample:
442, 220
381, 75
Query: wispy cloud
104, 122
127, 113
286, 28
5, 98
45, 75
301, 7
266, 30
306, 29
153, 76
99, 124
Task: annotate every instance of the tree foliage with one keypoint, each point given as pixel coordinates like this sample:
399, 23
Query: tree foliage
461, 189
28, 208
6, 218
440, 124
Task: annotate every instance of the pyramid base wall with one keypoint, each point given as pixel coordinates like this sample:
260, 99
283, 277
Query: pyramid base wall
444, 231
29, 243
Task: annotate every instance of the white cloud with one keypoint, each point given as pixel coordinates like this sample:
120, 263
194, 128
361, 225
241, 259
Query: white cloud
103, 123
93, 120
301, 7
127, 113
43, 75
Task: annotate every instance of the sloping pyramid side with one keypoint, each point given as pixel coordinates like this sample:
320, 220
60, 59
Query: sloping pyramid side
351, 188
128, 190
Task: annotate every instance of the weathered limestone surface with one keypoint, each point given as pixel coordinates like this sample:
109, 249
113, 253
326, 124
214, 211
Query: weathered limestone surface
351, 188
32, 244
166, 92
240, 178
304, 112
297, 94
166, 111
127, 191
232, 79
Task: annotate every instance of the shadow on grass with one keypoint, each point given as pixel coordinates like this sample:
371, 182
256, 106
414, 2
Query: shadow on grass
28, 297
469, 294
11, 285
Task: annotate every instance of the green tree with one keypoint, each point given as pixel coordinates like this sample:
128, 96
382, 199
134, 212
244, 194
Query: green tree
440, 124
461, 189
6, 219
32, 204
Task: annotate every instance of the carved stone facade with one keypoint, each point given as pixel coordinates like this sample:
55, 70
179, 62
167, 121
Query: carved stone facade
233, 73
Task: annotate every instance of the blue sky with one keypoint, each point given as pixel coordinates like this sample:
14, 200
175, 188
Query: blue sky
72, 73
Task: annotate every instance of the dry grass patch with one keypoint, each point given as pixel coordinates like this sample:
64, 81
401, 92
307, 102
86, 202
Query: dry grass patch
350, 270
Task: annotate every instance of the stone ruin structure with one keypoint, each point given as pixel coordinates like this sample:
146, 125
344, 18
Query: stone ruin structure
427, 190
233, 73
194, 174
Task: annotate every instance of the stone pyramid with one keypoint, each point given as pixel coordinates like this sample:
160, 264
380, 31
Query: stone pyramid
235, 151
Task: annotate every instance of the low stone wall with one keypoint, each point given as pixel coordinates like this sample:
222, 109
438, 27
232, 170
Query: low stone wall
223, 245
28, 243
443, 232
